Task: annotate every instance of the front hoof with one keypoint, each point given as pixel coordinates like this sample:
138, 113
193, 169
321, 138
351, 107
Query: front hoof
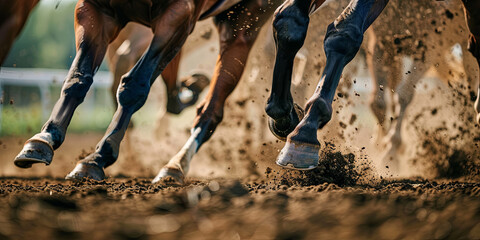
86, 170
299, 156
34, 151
170, 176
292, 121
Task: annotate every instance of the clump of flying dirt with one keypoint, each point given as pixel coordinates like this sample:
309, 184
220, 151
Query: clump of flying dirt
450, 149
334, 167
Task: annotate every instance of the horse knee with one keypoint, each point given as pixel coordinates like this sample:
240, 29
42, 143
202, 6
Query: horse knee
290, 28
342, 41
77, 86
132, 94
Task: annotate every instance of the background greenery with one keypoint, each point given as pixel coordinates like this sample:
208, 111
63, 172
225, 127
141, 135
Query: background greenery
48, 41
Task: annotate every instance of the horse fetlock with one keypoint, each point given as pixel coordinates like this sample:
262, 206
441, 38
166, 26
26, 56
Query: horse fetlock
395, 138
52, 133
209, 117
319, 107
182, 159
278, 109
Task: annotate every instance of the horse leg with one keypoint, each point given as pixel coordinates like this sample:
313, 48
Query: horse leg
402, 97
342, 41
472, 15
93, 32
129, 46
292, 18
235, 44
170, 32
378, 65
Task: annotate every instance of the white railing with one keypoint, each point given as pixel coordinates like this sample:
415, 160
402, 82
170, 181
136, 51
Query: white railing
43, 79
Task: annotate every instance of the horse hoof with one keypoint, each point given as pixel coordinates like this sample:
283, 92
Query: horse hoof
86, 170
170, 176
181, 100
299, 156
34, 151
196, 83
282, 134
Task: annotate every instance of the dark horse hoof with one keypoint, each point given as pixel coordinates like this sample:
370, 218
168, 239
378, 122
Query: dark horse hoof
34, 151
283, 133
86, 170
170, 176
180, 100
299, 156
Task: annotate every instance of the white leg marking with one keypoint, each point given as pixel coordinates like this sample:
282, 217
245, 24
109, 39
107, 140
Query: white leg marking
185, 155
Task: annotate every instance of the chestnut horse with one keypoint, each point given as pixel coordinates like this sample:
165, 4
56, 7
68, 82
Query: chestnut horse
98, 23
13, 15
342, 41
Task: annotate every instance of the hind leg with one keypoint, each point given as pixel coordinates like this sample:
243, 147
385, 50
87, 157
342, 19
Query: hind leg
382, 68
402, 98
235, 44
289, 30
342, 42
91, 44
472, 14
170, 32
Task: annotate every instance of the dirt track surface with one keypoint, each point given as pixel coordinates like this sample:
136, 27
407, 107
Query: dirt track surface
125, 208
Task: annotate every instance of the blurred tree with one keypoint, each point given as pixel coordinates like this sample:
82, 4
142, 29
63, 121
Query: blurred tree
48, 39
